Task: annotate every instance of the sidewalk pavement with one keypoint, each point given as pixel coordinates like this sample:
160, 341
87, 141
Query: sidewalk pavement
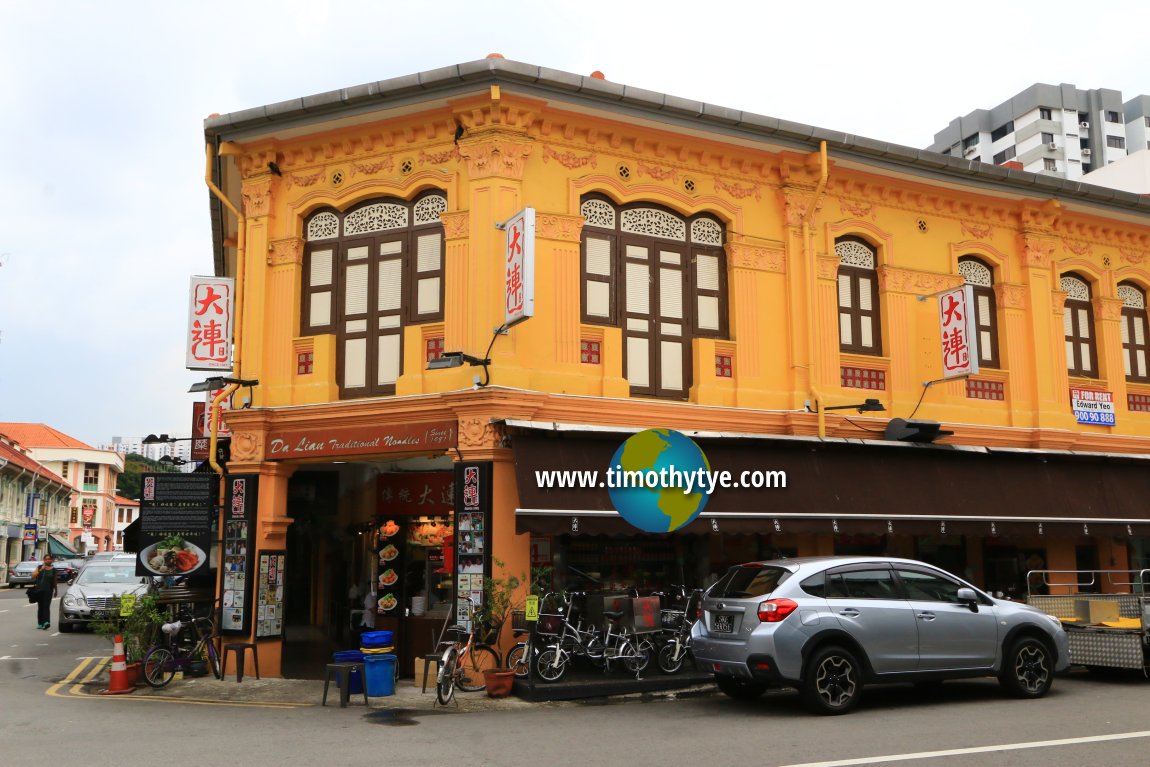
309, 692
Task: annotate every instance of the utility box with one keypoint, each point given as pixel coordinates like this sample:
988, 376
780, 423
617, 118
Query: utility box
1091, 611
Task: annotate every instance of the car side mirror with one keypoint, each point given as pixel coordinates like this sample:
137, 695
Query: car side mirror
969, 598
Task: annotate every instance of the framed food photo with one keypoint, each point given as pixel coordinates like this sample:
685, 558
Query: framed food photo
392, 544
269, 593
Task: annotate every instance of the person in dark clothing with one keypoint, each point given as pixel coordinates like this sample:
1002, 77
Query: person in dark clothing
45, 579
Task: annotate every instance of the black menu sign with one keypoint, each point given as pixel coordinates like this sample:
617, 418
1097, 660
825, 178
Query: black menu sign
239, 546
176, 523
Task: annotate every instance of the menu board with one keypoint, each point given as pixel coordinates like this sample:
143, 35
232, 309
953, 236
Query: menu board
390, 544
472, 521
270, 594
176, 512
235, 583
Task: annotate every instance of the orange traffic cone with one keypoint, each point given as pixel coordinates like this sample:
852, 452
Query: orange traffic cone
118, 676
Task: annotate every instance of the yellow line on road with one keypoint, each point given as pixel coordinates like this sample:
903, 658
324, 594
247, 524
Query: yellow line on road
77, 690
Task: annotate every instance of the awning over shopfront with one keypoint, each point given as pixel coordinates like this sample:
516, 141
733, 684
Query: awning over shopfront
850, 487
60, 548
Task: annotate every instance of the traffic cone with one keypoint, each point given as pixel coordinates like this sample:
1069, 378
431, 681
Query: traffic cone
118, 676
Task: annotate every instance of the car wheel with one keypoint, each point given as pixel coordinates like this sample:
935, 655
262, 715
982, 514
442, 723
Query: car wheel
1028, 671
739, 689
833, 682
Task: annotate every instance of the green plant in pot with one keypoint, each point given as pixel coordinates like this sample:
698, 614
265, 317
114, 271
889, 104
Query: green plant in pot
140, 627
498, 601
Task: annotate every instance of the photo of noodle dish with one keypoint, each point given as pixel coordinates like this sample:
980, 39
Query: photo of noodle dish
172, 556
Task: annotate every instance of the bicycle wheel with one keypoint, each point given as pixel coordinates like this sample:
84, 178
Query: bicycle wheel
479, 659
517, 660
445, 682
213, 659
668, 663
546, 666
158, 667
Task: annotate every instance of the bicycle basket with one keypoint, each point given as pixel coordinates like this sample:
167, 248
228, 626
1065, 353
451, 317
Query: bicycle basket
519, 620
488, 633
671, 619
549, 624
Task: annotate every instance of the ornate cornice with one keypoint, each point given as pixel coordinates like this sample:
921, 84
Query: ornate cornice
742, 255
1041, 217
1011, 296
895, 280
257, 197
488, 157
286, 251
1037, 251
455, 225
554, 226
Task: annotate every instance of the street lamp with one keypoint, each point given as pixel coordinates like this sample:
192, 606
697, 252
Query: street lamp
173, 460
867, 406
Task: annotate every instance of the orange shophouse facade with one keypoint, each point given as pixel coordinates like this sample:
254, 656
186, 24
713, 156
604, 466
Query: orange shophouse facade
697, 268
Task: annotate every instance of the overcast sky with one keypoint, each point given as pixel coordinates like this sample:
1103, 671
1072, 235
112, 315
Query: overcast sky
102, 198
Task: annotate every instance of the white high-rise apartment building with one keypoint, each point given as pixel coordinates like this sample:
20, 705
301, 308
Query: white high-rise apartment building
1057, 130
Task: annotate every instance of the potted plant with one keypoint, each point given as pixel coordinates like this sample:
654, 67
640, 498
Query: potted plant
139, 629
492, 616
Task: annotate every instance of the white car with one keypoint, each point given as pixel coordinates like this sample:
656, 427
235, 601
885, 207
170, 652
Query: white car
96, 592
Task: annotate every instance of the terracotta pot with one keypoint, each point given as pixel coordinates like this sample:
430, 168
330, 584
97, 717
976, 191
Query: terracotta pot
135, 674
499, 681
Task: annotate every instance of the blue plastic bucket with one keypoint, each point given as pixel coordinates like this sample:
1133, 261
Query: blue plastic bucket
375, 639
380, 675
355, 686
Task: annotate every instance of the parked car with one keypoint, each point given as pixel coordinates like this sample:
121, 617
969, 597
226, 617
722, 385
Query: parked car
831, 625
66, 570
20, 574
96, 592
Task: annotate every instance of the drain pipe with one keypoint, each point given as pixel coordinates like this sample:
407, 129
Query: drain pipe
227, 149
812, 320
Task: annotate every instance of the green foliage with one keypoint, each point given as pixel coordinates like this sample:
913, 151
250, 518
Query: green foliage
499, 595
135, 464
140, 629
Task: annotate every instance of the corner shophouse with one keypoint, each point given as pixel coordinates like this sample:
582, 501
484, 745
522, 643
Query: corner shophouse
697, 268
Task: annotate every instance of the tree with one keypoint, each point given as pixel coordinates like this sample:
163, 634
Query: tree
135, 464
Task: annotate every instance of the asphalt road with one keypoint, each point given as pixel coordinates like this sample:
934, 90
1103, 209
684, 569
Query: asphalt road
1085, 721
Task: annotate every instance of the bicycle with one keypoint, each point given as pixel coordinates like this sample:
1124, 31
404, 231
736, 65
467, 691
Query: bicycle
464, 662
567, 641
181, 650
677, 648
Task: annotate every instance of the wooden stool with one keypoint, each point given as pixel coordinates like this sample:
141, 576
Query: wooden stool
342, 672
239, 649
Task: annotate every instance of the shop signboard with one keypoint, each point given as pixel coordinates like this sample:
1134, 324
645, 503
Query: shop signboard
270, 581
418, 437
959, 332
472, 533
415, 494
236, 581
202, 426
211, 308
1092, 406
30, 533
519, 267
176, 512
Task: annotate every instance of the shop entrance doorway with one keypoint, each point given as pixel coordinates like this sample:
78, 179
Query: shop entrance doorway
309, 632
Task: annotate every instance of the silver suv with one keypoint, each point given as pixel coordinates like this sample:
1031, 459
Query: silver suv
830, 625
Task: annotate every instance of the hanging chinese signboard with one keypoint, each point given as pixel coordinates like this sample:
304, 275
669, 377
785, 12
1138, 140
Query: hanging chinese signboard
202, 426
211, 309
959, 332
519, 267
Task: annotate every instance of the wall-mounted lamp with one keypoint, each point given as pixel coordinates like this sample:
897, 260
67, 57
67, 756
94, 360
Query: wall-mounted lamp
903, 430
867, 406
173, 460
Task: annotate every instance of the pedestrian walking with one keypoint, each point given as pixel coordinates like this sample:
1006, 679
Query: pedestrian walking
44, 579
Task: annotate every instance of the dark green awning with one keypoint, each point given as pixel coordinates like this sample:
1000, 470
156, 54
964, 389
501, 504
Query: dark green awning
59, 548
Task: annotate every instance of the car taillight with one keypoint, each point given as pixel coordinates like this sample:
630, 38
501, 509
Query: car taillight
775, 610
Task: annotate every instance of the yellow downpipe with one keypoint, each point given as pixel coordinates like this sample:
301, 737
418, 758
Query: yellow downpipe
812, 320
241, 239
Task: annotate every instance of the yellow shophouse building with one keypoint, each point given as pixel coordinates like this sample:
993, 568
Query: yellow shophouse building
750, 282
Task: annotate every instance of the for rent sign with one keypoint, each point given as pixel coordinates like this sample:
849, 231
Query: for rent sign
1092, 406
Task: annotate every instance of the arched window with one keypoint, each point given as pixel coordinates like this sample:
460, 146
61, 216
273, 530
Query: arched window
660, 277
859, 329
981, 279
1078, 326
368, 272
1134, 351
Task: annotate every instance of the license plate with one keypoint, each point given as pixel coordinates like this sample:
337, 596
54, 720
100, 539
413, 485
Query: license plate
723, 624
101, 613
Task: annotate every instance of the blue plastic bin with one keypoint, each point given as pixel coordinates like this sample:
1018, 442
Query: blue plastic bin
380, 675
375, 639
355, 686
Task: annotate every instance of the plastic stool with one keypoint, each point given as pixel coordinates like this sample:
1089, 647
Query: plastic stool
239, 649
427, 661
342, 672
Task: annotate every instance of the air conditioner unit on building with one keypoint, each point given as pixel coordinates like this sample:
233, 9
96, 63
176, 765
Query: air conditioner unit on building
970, 150
1083, 124
1052, 146
1085, 152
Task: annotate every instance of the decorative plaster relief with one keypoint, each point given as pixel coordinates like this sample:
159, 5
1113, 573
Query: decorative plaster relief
478, 433
978, 229
757, 258
1078, 248
657, 171
738, 191
895, 280
385, 164
568, 160
856, 209
495, 157
1132, 256
257, 197
438, 158
295, 179
455, 225
552, 226
1011, 296
285, 251
1057, 302
1037, 252
828, 267
247, 447
1108, 308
